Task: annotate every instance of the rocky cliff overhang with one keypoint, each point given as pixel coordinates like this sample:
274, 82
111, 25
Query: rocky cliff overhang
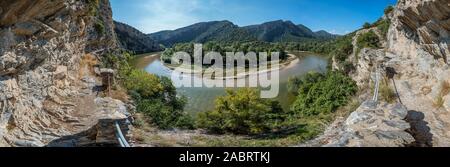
427, 22
46, 88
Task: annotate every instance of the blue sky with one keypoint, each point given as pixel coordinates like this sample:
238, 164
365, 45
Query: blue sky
336, 16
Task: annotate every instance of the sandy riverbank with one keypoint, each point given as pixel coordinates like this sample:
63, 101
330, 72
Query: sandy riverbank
238, 73
143, 60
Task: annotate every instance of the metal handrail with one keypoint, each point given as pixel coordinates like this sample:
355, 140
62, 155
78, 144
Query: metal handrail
122, 141
377, 85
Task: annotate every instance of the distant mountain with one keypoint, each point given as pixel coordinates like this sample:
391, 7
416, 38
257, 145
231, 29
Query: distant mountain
280, 31
226, 31
133, 40
306, 30
203, 32
325, 35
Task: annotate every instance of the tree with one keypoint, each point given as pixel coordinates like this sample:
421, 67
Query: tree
294, 84
157, 99
367, 25
242, 112
388, 10
368, 40
147, 85
323, 94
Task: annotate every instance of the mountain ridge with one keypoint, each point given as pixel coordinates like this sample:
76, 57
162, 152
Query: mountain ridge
134, 40
227, 31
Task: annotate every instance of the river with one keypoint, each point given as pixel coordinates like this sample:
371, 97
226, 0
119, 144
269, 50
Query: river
202, 99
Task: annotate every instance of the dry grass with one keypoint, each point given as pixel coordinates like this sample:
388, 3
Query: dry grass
387, 93
120, 93
445, 90
88, 62
439, 102
346, 110
139, 135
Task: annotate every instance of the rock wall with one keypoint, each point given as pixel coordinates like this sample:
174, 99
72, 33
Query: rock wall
101, 34
371, 125
44, 93
421, 25
417, 48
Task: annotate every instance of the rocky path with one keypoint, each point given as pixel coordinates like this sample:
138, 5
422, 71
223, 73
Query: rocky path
431, 125
91, 111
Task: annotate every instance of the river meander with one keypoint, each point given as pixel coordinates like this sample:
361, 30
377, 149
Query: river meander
202, 99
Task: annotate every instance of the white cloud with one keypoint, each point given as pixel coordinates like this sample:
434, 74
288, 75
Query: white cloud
333, 31
339, 32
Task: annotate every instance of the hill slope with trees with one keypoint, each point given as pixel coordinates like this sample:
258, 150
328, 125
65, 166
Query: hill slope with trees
226, 31
134, 40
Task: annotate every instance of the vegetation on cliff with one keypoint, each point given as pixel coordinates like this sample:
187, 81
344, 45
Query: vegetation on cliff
243, 112
368, 40
322, 94
134, 40
153, 96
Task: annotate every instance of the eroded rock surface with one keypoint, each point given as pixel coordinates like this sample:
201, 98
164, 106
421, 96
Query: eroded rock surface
371, 125
43, 96
417, 48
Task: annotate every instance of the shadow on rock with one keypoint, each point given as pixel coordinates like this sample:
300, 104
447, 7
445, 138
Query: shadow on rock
419, 129
101, 135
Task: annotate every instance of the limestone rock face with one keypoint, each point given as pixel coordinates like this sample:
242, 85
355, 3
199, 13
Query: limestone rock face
421, 24
101, 34
42, 94
371, 125
417, 48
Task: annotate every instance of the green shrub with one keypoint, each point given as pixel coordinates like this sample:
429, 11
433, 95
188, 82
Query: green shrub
383, 27
322, 94
348, 67
367, 25
344, 48
154, 96
293, 84
162, 114
93, 6
119, 62
388, 10
368, 40
223, 47
242, 112
166, 56
147, 85
387, 93
100, 28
